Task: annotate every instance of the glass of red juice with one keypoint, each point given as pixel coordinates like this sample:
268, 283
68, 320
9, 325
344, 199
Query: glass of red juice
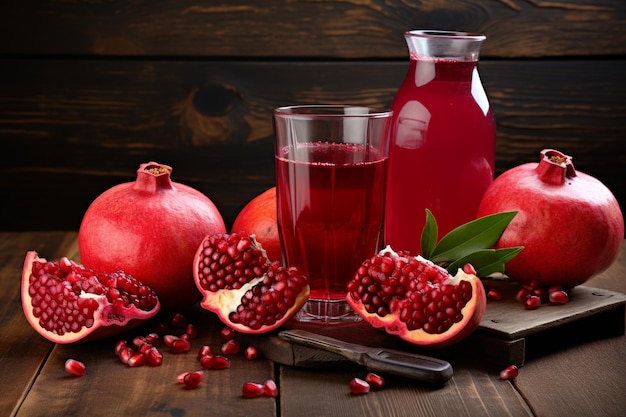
331, 163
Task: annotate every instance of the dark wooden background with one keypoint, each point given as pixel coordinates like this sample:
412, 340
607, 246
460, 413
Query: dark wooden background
90, 89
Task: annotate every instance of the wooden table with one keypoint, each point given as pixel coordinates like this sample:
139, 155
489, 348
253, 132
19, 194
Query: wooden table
587, 378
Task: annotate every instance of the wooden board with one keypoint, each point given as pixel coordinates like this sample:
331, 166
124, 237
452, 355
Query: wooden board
508, 334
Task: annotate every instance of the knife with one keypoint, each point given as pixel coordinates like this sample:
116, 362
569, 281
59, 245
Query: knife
423, 368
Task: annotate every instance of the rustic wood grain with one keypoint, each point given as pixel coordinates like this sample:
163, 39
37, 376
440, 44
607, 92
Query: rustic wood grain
72, 129
323, 28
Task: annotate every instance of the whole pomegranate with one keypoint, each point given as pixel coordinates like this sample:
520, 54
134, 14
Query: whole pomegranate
258, 218
569, 223
413, 298
150, 229
246, 291
67, 303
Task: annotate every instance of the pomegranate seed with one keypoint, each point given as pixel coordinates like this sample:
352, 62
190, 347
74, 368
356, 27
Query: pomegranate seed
193, 379
153, 338
358, 386
252, 389
231, 347
541, 292
125, 355
181, 377
509, 372
191, 331
469, 269
178, 320
376, 381
522, 295
270, 389
227, 333
169, 339
185, 336
204, 350
494, 295
121, 344
251, 353
532, 302
558, 297
144, 348
180, 346
221, 362
154, 356
138, 359
75, 367
139, 340
207, 361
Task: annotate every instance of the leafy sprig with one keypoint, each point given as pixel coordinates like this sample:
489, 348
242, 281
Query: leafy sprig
471, 243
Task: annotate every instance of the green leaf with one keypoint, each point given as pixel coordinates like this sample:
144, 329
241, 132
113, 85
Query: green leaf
486, 261
429, 235
476, 235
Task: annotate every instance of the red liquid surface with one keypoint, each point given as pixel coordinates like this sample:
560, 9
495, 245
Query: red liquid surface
330, 213
442, 150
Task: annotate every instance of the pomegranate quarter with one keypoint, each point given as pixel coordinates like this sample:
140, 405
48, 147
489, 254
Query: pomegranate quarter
417, 300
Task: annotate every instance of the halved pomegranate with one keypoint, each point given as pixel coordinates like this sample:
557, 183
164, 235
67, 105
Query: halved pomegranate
66, 302
246, 291
417, 300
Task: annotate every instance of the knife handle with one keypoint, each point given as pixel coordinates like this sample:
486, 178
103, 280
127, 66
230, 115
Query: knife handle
423, 368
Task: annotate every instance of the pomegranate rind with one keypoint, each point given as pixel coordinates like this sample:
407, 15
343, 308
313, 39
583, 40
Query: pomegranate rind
472, 313
112, 321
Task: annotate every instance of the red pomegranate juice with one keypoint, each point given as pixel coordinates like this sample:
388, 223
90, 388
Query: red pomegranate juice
442, 150
331, 216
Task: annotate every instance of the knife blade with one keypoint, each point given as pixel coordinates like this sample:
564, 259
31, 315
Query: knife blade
420, 367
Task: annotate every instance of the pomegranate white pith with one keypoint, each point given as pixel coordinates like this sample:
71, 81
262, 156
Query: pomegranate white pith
417, 300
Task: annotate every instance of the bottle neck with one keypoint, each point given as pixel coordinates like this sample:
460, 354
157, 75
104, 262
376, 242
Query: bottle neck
444, 45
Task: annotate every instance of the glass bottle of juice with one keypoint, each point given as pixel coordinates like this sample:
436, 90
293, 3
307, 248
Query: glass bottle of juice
442, 148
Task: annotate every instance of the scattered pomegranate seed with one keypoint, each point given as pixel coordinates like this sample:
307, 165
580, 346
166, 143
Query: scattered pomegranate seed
541, 292
251, 353
121, 344
191, 331
270, 389
532, 302
522, 295
231, 347
221, 362
558, 297
125, 355
75, 367
204, 350
144, 348
227, 333
193, 379
169, 339
178, 320
358, 386
207, 360
181, 377
509, 372
252, 389
138, 359
154, 356
376, 381
180, 346
153, 338
139, 340
494, 295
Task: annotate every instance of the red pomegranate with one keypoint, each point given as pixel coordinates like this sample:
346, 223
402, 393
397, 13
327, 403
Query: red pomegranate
67, 303
258, 218
150, 229
569, 223
417, 300
247, 292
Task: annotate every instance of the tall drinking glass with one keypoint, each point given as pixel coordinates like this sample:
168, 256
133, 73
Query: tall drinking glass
331, 164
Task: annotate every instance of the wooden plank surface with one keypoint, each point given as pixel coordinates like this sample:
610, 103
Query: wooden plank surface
70, 129
323, 28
